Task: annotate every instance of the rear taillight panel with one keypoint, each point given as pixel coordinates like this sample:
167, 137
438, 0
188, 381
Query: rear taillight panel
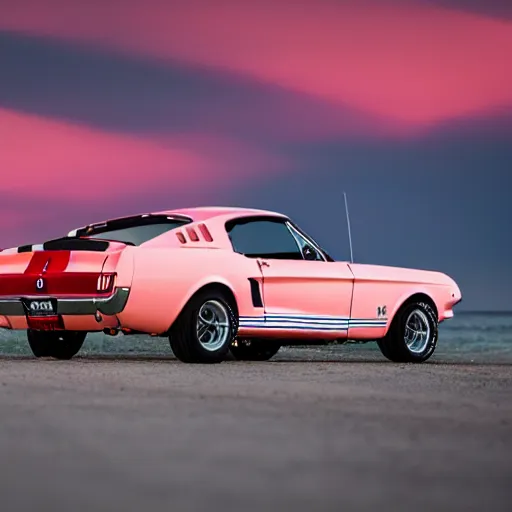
60, 284
105, 283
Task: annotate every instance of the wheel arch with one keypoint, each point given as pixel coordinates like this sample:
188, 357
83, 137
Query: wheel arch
217, 284
414, 298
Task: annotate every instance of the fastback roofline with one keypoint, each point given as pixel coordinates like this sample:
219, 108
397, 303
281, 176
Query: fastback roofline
105, 223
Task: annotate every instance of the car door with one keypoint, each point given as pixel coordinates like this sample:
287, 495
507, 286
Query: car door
310, 294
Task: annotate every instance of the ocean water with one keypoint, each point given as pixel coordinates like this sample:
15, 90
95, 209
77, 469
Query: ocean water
485, 337
467, 338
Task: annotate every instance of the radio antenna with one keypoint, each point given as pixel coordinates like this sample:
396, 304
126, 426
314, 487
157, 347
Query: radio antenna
348, 226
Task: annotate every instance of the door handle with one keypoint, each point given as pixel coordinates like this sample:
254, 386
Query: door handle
263, 263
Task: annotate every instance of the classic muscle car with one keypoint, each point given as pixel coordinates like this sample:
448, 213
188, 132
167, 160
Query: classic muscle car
214, 280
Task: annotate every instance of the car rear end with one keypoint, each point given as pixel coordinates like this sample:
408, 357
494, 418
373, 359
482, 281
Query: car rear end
65, 284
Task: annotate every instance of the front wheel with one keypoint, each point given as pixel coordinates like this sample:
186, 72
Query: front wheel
254, 350
56, 344
413, 335
205, 328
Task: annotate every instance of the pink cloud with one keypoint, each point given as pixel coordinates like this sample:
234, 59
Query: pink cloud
51, 158
414, 63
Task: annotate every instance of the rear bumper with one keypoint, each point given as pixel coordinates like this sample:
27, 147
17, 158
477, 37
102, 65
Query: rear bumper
14, 306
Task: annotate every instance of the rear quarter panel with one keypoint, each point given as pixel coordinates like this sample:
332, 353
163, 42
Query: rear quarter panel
380, 291
164, 279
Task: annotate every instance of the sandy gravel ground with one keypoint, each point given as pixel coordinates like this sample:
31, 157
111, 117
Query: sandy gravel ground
304, 433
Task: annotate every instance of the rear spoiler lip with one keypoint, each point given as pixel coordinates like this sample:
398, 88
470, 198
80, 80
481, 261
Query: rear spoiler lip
83, 237
41, 247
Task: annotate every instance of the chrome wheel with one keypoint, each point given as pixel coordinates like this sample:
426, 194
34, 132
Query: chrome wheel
213, 325
417, 331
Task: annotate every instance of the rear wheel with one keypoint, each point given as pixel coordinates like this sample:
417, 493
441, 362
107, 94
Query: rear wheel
413, 335
205, 328
56, 344
254, 350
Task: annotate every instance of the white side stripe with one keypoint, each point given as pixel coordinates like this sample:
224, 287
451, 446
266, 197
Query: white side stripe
308, 322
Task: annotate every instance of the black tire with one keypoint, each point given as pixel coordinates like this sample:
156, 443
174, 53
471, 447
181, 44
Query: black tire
40, 345
394, 345
184, 338
56, 344
254, 350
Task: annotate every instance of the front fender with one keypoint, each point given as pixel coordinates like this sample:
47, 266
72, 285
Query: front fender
403, 298
444, 297
386, 289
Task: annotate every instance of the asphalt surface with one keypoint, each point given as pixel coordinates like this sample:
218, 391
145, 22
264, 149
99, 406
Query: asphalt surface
298, 433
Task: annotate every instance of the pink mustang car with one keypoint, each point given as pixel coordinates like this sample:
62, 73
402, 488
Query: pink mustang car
215, 280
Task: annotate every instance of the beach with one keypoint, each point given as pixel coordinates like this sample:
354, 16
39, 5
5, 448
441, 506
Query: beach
334, 428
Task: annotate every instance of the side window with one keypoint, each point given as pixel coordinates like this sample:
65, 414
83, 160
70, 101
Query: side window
264, 239
308, 250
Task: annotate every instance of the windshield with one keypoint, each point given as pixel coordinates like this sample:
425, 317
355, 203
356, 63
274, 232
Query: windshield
133, 231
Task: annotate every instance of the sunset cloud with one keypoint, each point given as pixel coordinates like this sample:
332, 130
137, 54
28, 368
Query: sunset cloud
413, 62
57, 159
131, 94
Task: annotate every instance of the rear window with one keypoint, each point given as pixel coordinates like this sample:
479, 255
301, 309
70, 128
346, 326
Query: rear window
133, 231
